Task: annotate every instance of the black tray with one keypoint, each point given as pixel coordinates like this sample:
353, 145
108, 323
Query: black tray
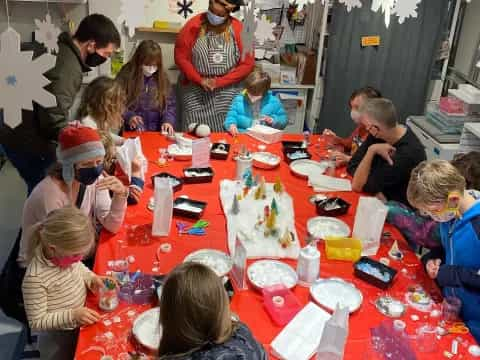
372, 279
167, 175
218, 156
293, 144
341, 210
287, 151
186, 213
198, 179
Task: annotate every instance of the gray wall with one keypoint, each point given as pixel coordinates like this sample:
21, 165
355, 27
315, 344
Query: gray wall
469, 37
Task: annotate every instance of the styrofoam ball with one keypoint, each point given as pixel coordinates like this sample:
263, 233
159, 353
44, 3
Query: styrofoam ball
203, 130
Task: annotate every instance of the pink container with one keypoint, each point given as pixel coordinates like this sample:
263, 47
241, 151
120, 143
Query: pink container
452, 106
281, 304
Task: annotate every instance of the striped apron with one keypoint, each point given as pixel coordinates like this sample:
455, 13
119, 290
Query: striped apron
212, 56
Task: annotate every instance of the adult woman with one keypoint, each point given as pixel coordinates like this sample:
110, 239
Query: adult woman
196, 319
208, 52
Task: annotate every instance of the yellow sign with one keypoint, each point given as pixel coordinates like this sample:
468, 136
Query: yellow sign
370, 41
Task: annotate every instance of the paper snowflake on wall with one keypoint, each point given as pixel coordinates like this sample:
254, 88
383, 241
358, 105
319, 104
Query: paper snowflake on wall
21, 79
405, 9
132, 14
264, 30
350, 4
386, 6
47, 33
249, 27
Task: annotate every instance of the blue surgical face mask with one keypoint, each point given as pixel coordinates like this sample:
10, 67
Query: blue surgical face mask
215, 19
87, 176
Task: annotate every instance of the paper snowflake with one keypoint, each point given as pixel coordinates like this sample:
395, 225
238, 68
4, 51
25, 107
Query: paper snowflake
264, 30
302, 3
21, 79
249, 27
185, 8
47, 33
350, 4
386, 7
132, 14
405, 9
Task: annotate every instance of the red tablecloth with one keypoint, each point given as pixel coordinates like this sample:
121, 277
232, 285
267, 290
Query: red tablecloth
247, 304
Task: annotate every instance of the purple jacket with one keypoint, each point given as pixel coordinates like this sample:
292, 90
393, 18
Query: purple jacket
153, 117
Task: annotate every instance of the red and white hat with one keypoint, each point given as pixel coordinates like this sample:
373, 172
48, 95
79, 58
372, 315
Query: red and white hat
77, 143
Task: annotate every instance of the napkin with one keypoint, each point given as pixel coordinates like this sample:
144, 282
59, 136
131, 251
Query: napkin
300, 338
324, 183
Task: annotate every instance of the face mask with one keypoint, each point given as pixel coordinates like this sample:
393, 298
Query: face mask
445, 216
215, 19
87, 176
95, 59
355, 115
65, 261
253, 98
149, 70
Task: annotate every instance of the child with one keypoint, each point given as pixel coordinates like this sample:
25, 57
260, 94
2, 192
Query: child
151, 104
102, 105
358, 136
255, 104
196, 319
110, 163
437, 189
56, 281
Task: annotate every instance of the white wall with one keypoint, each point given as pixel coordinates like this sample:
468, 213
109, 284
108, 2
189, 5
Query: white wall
469, 37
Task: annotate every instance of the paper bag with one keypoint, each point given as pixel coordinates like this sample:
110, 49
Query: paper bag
334, 336
130, 149
369, 222
162, 213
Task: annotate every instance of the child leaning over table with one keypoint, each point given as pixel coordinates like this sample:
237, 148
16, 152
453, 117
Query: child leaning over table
256, 103
56, 282
437, 189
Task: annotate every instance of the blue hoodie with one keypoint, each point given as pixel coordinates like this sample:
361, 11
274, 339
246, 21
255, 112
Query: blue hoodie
241, 113
459, 273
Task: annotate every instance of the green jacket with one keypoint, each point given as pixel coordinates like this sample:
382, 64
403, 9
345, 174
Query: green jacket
39, 129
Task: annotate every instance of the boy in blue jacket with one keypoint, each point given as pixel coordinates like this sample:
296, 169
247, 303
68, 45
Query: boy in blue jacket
255, 105
438, 189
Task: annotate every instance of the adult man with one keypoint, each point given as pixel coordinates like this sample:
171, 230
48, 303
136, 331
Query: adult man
382, 165
31, 146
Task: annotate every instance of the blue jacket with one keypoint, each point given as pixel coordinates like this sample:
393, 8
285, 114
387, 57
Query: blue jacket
458, 274
241, 114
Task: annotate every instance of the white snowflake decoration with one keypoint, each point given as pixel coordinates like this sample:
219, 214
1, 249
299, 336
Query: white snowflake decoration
405, 9
132, 13
386, 7
350, 4
249, 28
47, 33
21, 79
302, 3
264, 30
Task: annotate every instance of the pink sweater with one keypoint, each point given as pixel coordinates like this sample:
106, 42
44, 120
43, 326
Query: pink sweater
48, 196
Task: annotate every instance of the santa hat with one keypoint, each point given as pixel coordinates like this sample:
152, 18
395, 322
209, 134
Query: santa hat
77, 143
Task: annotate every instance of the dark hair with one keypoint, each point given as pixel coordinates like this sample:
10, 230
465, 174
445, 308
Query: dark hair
368, 91
468, 164
98, 28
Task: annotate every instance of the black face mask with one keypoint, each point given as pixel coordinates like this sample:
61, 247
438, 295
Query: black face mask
95, 59
87, 176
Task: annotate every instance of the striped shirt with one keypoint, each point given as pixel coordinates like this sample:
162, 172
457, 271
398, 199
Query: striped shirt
51, 293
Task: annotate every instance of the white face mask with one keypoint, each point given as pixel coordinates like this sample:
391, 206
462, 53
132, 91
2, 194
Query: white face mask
443, 217
254, 98
355, 115
149, 70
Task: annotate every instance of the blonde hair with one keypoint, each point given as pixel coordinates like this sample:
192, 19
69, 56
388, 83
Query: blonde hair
104, 100
110, 150
194, 310
432, 182
67, 228
258, 82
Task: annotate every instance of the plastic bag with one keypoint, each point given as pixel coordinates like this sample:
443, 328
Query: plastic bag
369, 222
162, 214
126, 153
334, 336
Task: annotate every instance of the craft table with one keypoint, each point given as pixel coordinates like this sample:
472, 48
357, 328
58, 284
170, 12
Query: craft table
247, 304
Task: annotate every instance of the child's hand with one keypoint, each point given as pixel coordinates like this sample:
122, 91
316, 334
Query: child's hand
85, 316
386, 151
432, 268
233, 130
113, 184
135, 122
137, 167
329, 132
98, 282
167, 127
267, 120
340, 158
135, 193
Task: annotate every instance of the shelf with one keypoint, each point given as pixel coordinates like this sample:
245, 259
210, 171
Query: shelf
474, 128
154, 30
290, 86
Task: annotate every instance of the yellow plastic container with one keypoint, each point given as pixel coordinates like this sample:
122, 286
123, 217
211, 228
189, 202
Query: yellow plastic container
348, 249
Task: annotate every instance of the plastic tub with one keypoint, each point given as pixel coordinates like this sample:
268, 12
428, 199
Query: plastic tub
332, 207
371, 279
347, 249
281, 304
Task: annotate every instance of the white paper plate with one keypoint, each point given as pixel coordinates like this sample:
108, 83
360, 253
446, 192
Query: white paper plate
216, 260
265, 160
180, 153
305, 167
321, 227
333, 291
147, 330
265, 273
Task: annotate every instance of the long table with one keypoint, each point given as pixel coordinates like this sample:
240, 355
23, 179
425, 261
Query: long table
112, 335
